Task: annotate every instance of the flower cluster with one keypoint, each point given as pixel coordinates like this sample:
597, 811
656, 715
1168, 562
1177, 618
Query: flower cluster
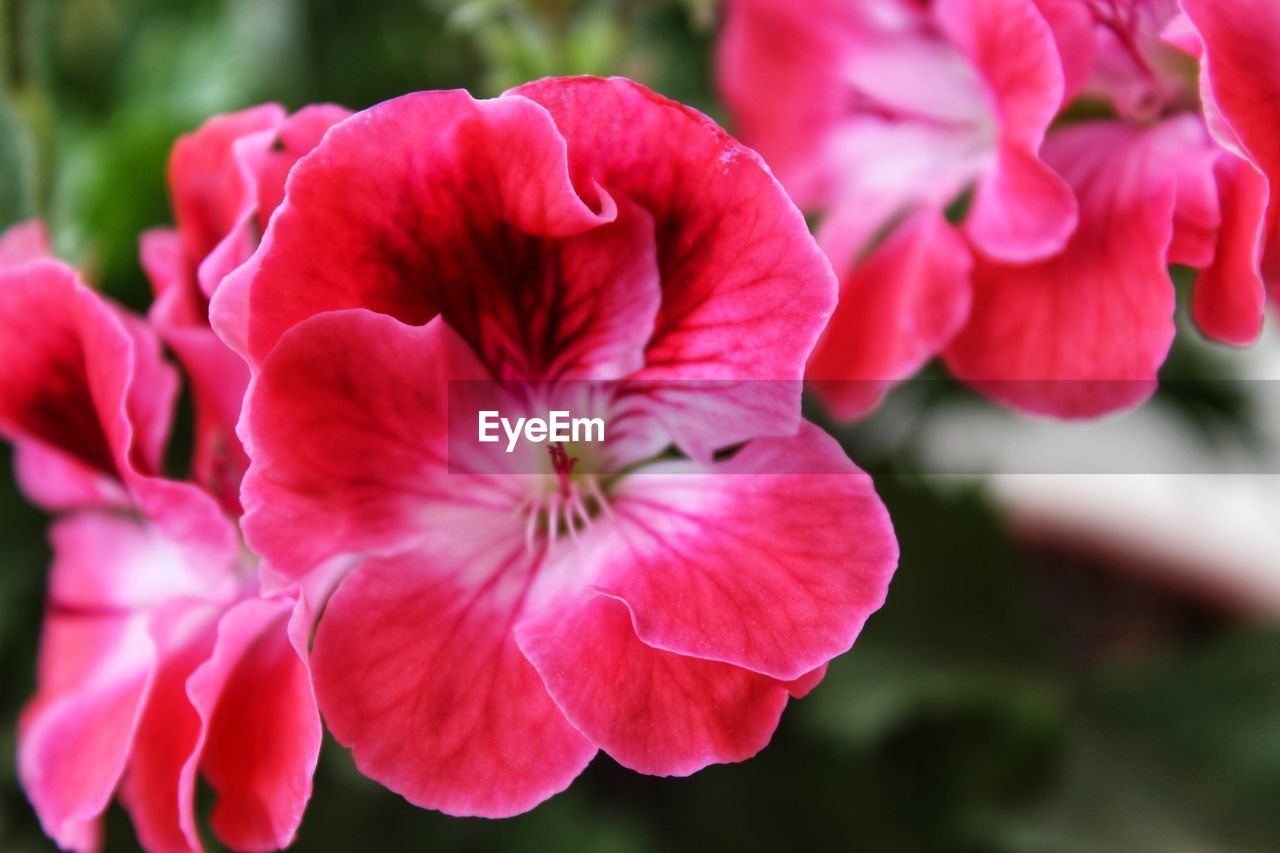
473, 626
1006, 182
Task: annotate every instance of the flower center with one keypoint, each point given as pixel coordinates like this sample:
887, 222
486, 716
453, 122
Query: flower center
567, 504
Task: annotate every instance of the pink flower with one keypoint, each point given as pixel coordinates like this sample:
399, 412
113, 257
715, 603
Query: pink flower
226, 178
885, 113
508, 616
1241, 93
159, 660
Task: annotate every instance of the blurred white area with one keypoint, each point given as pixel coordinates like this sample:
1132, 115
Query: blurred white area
1151, 495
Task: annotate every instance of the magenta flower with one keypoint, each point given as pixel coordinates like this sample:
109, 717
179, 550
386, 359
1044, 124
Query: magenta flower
505, 617
226, 179
159, 660
1054, 296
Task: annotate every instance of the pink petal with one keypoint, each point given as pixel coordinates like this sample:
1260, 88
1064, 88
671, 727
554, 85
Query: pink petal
297, 136
897, 310
263, 160
83, 379
204, 178
114, 561
770, 561
159, 787
218, 375
1197, 213
57, 481
1239, 41
67, 364
653, 711
1022, 210
417, 671
1073, 25
915, 167
347, 424
1241, 90
45, 381
1084, 332
1229, 296
26, 241
735, 257
410, 205
74, 737
261, 731
778, 68
800, 687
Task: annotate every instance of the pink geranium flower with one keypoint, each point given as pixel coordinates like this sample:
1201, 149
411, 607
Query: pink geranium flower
1055, 296
159, 660
226, 178
505, 620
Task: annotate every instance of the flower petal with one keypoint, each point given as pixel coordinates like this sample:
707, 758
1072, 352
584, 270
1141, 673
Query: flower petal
1022, 210
262, 161
26, 241
1229, 298
1083, 333
1241, 90
261, 730
159, 787
409, 208
217, 374
418, 673
734, 254
778, 68
653, 711
897, 310
204, 178
75, 736
771, 560
348, 451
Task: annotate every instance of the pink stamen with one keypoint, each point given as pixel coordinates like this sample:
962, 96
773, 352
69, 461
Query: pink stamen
562, 463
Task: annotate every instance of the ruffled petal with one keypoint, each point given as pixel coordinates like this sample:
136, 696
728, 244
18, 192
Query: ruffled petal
418, 673
205, 183
49, 364
26, 241
897, 310
1022, 210
348, 451
770, 561
653, 711
1229, 298
1241, 93
735, 257
84, 379
414, 207
217, 374
262, 160
261, 731
74, 738
1083, 333
160, 786
778, 68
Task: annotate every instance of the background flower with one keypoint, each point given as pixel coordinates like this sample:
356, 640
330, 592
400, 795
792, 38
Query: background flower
873, 111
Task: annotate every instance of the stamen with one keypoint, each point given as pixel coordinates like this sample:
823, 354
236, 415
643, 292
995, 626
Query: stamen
562, 463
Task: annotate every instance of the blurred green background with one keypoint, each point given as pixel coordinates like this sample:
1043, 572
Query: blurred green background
1008, 697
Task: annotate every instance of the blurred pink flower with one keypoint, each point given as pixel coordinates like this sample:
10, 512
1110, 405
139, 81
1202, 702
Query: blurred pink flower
503, 623
1092, 162
226, 178
159, 660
